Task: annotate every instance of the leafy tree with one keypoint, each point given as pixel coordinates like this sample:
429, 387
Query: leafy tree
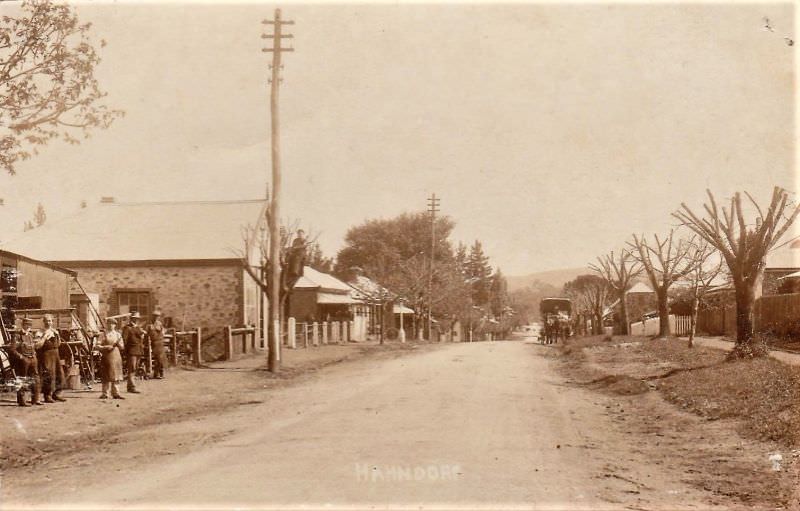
47, 84
461, 259
39, 218
479, 272
498, 293
317, 260
744, 246
526, 300
377, 247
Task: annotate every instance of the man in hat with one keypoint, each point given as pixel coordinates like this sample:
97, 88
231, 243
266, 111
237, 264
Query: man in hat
155, 332
133, 339
22, 352
50, 361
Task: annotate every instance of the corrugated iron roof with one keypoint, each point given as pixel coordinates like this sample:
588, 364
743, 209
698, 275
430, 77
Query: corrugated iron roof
143, 231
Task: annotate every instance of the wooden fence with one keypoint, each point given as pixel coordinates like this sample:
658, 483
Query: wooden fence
778, 314
774, 314
245, 340
678, 325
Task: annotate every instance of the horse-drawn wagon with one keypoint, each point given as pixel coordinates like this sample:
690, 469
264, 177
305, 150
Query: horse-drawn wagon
556, 316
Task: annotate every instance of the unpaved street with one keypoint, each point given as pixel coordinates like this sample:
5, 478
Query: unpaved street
465, 424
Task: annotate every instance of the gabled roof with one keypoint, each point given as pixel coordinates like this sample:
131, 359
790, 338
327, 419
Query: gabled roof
785, 256
640, 287
143, 231
11, 255
313, 279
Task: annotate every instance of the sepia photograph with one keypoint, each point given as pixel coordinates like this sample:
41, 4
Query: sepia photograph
399, 255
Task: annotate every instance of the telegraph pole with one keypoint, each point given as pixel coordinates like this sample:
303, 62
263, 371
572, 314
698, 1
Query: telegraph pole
433, 208
277, 36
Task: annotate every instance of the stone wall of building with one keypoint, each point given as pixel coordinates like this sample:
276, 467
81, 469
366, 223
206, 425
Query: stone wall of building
639, 304
210, 297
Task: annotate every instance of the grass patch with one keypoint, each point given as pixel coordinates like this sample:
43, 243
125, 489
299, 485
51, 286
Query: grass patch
763, 393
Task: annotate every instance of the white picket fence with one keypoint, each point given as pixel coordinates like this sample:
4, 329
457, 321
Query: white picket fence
678, 325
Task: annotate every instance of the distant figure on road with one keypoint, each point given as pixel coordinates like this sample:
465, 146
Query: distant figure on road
111, 363
155, 331
133, 338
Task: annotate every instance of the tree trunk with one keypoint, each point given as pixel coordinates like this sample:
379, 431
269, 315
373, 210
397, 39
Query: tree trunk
623, 312
597, 323
693, 320
663, 313
745, 299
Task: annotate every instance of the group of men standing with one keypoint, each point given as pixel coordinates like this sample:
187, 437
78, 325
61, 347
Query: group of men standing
134, 336
34, 354
36, 357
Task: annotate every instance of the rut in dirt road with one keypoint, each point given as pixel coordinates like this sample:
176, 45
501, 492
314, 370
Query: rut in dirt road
475, 423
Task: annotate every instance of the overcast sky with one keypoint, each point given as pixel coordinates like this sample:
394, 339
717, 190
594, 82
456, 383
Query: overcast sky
550, 132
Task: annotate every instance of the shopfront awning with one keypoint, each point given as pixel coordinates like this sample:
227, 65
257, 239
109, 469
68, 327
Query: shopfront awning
402, 309
335, 299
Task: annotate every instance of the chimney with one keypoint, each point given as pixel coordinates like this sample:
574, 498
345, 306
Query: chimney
107, 200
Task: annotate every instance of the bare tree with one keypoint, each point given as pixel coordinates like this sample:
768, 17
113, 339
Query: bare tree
744, 247
257, 263
47, 84
590, 293
700, 279
664, 262
619, 273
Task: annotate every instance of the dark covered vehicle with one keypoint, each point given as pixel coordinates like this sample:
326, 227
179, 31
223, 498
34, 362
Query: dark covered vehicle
556, 315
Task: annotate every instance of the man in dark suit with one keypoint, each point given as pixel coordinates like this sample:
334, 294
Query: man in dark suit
22, 352
133, 339
155, 331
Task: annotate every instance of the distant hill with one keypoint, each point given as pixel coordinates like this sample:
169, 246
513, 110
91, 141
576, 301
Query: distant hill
555, 278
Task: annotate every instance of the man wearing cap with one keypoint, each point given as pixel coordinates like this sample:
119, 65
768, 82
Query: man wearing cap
22, 352
133, 339
155, 331
50, 361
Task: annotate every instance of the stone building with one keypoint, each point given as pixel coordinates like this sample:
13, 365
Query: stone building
184, 258
640, 301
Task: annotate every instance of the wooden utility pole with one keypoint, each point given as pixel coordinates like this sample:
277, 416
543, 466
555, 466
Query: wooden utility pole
273, 352
433, 208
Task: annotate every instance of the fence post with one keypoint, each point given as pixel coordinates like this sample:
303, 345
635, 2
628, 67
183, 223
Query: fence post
291, 333
305, 335
335, 332
315, 334
324, 332
228, 343
197, 346
173, 348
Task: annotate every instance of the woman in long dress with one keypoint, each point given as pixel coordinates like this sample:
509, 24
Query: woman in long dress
111, 363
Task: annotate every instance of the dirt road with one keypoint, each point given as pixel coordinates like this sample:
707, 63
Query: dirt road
467, 425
